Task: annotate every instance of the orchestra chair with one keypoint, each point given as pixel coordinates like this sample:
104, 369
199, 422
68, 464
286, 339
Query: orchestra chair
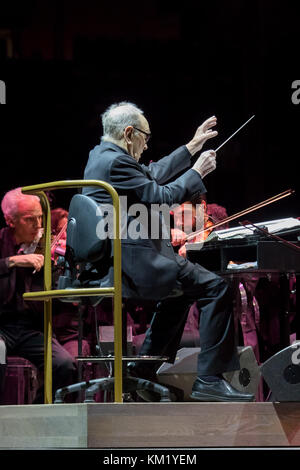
87, 261
87, 257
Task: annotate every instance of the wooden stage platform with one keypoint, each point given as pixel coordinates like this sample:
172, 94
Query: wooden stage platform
155, 425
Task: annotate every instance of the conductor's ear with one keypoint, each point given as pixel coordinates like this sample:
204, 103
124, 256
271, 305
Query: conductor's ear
128, 132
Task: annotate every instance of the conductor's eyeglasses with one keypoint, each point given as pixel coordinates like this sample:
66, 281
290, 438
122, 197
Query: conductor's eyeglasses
146, 133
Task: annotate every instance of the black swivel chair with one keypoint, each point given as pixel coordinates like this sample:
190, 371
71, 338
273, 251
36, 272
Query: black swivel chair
87, 261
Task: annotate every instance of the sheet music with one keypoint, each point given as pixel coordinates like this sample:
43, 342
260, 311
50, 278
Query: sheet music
273, 226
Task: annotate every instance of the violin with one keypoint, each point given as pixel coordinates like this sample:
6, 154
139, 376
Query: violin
58, 244
199, 212
36, 246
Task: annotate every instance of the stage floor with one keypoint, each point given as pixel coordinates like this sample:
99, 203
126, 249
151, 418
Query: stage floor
155, 425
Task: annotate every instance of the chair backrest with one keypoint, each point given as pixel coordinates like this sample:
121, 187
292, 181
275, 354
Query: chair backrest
83, 244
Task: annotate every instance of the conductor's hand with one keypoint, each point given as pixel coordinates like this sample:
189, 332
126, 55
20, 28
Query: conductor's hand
32, 260
206, 163
203, 133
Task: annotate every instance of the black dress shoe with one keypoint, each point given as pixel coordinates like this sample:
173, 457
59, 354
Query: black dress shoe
218, 391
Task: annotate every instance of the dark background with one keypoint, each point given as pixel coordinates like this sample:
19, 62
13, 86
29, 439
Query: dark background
65, 61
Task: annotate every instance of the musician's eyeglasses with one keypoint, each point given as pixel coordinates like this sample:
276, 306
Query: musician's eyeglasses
148, 135
31, 219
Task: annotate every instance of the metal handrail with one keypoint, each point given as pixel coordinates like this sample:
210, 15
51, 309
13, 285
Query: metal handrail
48, 294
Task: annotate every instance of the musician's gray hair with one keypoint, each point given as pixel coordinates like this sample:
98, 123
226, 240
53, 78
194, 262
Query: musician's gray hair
10, 203
117, 117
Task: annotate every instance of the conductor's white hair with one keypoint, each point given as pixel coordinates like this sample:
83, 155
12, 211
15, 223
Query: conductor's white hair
117, 117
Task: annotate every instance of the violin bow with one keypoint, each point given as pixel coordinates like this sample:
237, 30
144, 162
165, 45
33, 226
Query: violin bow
286, 193
57, 237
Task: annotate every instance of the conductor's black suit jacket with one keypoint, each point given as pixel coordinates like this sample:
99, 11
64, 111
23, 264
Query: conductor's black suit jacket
149, 266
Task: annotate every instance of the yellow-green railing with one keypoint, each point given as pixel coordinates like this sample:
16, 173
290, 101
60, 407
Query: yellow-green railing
48, 294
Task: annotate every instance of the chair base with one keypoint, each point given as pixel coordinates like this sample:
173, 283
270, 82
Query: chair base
130, 384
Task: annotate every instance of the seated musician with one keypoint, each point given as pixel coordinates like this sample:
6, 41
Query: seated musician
186, 216
21, 270
189, 213
253, 296
151, 269
59, 221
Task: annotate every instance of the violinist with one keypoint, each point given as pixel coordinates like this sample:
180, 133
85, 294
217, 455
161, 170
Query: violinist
21, 270
59, 221
188, 215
